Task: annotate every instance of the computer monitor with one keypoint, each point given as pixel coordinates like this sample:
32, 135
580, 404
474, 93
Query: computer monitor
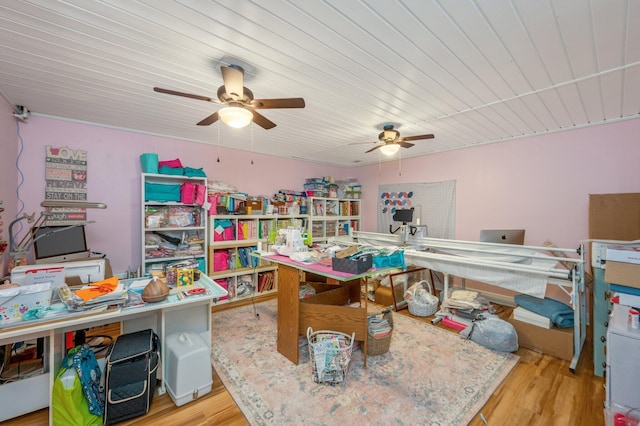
503, 236
55, 244
403, 215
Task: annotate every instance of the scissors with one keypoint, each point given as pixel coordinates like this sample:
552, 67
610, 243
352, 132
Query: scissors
195, 291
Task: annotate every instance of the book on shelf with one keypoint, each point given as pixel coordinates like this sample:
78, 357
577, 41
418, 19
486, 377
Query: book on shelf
525, 315
265, 281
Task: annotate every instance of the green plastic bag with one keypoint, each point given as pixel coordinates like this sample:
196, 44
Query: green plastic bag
69, 405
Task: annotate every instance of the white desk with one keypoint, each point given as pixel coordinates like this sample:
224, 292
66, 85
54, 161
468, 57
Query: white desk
167, 317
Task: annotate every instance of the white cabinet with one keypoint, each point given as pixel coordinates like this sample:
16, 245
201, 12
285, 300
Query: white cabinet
332, 217
623, 347
171, 230
232, 238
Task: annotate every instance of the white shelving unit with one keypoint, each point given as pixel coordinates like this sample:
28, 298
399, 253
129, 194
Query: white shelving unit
231, 240
183, 221
623, 344
332, 217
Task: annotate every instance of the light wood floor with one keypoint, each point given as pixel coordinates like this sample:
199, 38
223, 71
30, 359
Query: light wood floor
539, 391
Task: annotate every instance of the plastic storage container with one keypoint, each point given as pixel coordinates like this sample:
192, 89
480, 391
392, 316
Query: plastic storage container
16, 301
188, 367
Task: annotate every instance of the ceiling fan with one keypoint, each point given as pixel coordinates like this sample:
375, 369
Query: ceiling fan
240, 107
391, 140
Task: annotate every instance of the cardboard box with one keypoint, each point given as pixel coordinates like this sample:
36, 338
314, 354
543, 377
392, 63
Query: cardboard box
384, 297
555, 341
614, 216
627, 274
256, 206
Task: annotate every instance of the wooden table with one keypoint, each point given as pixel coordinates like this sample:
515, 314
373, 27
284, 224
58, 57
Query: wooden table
332, 308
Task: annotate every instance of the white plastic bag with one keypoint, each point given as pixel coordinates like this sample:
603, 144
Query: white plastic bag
493, 333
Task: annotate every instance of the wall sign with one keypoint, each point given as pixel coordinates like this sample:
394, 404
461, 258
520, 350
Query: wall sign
66, 178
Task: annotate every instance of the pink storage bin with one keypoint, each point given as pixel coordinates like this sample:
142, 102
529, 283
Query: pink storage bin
222, 230
220, 260
213, 200
201, 194
187, 193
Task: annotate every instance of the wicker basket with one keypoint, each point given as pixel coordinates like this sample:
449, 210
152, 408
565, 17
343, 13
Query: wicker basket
421, 309
380, 345
329, 355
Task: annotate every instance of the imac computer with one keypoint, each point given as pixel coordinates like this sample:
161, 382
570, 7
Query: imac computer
55, 244
502, 236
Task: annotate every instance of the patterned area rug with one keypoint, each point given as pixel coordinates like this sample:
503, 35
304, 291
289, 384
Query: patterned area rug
428, 377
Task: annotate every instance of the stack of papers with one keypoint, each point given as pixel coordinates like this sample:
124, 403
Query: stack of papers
96, 295
379, 327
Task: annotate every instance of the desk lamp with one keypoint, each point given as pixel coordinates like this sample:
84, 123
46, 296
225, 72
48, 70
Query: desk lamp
18, 251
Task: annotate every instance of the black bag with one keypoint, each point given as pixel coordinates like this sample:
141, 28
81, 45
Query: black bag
131, 372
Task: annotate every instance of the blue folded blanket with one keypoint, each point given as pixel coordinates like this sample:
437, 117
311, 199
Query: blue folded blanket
560, 314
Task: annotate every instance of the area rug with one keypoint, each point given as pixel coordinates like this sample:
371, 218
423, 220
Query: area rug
429, 376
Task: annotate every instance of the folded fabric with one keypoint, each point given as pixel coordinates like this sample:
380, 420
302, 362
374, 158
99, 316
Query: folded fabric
559, 313
98, 288
170, 163
167, 170
191, 172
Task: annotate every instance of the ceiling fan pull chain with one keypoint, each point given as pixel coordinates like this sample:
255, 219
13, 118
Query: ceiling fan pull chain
218, 159
252, 144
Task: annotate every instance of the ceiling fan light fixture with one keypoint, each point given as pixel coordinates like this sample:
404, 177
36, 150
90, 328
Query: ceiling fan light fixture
235, 116
390, 149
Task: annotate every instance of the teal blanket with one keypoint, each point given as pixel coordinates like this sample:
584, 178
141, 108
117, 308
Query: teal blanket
559, 313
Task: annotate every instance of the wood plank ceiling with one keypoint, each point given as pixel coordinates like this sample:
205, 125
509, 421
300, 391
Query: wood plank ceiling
471, 72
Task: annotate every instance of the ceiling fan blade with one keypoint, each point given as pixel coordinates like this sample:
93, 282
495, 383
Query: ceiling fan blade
416, 138
405, 144
233, 81
360, 143
374, 148
262, 121
209, 120
277, 103
186, 95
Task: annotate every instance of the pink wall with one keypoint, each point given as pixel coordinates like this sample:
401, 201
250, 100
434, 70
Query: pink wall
541, 184
8, 154
114, 176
